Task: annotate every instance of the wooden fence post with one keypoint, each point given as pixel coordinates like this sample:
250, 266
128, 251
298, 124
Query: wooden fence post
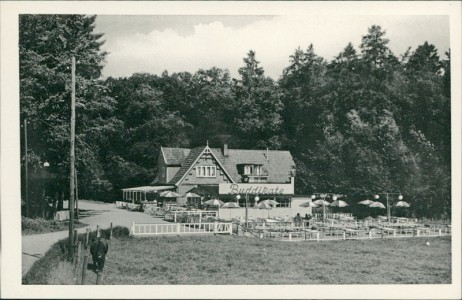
77, 258
87, 237
290, 236
418, 232
344, 235
317, 236
99, 278
370, 234
178, 229
110, 232
74, 246
85, 261
215, 228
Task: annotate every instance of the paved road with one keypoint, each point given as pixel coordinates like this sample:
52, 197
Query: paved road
91, 213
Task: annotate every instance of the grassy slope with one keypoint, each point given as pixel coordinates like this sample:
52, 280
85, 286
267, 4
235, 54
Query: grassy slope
239, 260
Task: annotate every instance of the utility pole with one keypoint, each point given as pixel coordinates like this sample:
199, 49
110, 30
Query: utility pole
72, 167
26, 179
76, 196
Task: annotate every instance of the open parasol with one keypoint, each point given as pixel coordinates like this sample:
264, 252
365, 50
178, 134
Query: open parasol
270, 202
321, 202
402, 204
308, 204
230, 205
366, 202
377, 204
339, 203
169, 194
214, 202
192, 195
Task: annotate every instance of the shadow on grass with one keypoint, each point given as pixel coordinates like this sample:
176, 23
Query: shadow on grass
84, 213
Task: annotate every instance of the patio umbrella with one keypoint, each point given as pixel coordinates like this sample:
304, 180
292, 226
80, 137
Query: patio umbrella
402, 204
366, 202
230, 205
192, 195
308, 204
264, 206
339, 203
214, 202
377, 204
169, 194
321, 202
270, 202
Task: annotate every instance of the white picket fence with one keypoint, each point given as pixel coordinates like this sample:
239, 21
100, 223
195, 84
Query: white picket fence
181, 229
350, 234
201, 214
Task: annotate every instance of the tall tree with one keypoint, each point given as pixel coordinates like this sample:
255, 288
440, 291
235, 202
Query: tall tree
257, 106
46, 45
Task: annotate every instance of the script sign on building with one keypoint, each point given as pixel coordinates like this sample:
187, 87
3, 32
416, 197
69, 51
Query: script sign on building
256, 189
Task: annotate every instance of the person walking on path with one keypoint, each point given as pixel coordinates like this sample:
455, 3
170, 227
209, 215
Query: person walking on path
35, 246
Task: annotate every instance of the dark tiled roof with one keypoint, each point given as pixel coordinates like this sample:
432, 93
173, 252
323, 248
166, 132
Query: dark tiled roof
175, 156
276, 163
193, 154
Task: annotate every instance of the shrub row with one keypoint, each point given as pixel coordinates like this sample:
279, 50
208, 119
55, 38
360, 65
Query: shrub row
37, 225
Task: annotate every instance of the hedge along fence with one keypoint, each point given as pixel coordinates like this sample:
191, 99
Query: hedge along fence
55, 260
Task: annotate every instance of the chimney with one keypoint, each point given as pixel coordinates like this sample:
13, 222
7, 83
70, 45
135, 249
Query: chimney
225, 149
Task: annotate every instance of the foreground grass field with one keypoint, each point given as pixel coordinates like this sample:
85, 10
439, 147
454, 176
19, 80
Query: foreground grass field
239, 260
226, 260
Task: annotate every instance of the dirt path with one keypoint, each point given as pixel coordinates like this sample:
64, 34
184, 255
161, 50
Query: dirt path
91, 213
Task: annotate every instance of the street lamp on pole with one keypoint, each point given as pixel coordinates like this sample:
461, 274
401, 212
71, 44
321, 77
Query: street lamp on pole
400, 197
247, 207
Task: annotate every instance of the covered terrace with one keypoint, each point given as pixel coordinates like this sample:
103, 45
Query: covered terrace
143, 193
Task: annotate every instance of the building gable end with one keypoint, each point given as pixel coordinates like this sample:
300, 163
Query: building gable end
205, 151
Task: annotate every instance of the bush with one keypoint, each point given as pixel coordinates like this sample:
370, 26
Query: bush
120, 232
40, 225
37, 225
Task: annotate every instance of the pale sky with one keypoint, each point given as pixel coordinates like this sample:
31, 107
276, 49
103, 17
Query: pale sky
153, 44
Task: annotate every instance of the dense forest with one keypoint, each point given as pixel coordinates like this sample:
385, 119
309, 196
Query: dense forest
364, 122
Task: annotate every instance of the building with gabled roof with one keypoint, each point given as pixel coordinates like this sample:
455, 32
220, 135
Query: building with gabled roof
268, 173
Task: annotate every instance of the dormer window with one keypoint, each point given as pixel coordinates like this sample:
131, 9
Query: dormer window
252, 172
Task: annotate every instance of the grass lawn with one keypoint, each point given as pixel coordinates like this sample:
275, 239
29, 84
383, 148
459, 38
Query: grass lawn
238, 260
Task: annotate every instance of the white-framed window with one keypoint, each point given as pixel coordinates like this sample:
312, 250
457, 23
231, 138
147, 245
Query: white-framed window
206, 171
257, 170
248, 170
